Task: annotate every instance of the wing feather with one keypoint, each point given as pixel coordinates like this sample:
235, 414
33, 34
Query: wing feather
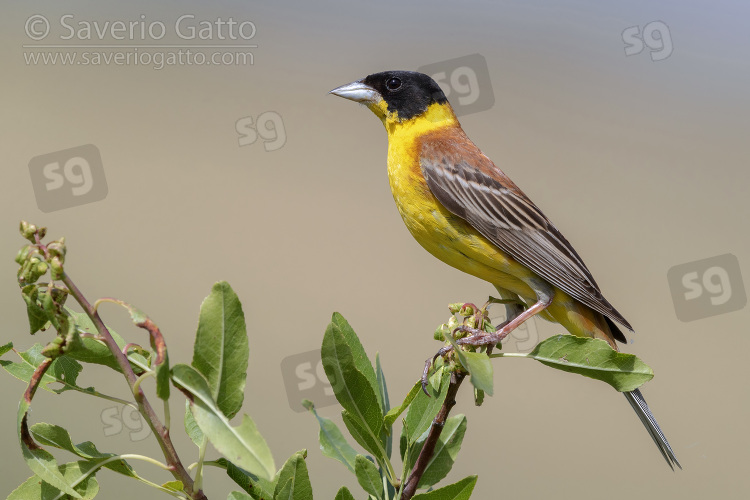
480, 193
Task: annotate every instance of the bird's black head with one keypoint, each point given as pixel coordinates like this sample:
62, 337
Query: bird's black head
404, 93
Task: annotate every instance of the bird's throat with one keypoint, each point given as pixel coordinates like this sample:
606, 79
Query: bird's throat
437, 116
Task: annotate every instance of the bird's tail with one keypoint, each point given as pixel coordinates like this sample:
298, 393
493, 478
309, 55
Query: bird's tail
635, 398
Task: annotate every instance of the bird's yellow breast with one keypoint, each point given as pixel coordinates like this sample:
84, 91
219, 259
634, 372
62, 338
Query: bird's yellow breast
443, 234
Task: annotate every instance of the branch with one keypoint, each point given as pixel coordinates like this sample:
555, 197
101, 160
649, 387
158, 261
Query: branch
512, 310
160, 431
428, 449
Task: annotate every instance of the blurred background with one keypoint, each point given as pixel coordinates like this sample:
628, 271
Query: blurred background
626, 122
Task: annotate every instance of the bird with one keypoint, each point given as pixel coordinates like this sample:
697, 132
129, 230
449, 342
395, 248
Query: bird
468, 213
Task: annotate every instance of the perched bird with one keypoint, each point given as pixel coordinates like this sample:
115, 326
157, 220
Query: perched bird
466, 212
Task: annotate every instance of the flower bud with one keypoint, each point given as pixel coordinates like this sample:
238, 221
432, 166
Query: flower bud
53, 349
36, 270
28, 232
466, 310
440, 332
57, 268
57, 249
452, 323
22, 254
455, 307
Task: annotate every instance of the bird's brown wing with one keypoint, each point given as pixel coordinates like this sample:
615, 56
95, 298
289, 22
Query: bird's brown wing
469, 185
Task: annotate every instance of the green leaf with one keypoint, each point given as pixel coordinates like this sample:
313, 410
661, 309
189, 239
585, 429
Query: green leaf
368, 476
446, 450
63, 370
162, 378
423, 409
456, 491
191, 428
141, 320
238, 495
478, 397
394, 413
174, 486
344, 494
54, 435
259, 488
35, 488
294, 482
66, 370
382, 386
284, 491
24, 369
7, 347
361, 361
363, 435
593, 358
343, 358
90, 350
386, 437
479, 366
38, 318
244, 445
221, 348
333, 444
40, 461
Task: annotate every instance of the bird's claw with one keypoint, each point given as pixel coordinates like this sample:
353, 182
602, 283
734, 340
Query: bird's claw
428, 363
480, 338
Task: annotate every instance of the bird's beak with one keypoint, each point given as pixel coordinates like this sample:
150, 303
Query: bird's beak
358, 92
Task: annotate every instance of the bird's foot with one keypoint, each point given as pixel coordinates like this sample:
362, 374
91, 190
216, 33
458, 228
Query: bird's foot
428, 364
467, 334
473, 332
479, 338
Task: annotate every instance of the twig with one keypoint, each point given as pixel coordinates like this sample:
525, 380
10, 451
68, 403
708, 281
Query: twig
28, 395
160, 431
513, 308
428, 449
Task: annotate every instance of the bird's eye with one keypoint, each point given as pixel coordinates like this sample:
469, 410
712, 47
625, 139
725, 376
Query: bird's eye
393, 84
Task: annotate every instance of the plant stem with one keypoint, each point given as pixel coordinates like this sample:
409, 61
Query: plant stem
428, 449
160, 432
136, 476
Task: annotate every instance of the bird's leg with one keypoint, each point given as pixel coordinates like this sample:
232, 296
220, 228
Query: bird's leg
544, 295
513, 308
